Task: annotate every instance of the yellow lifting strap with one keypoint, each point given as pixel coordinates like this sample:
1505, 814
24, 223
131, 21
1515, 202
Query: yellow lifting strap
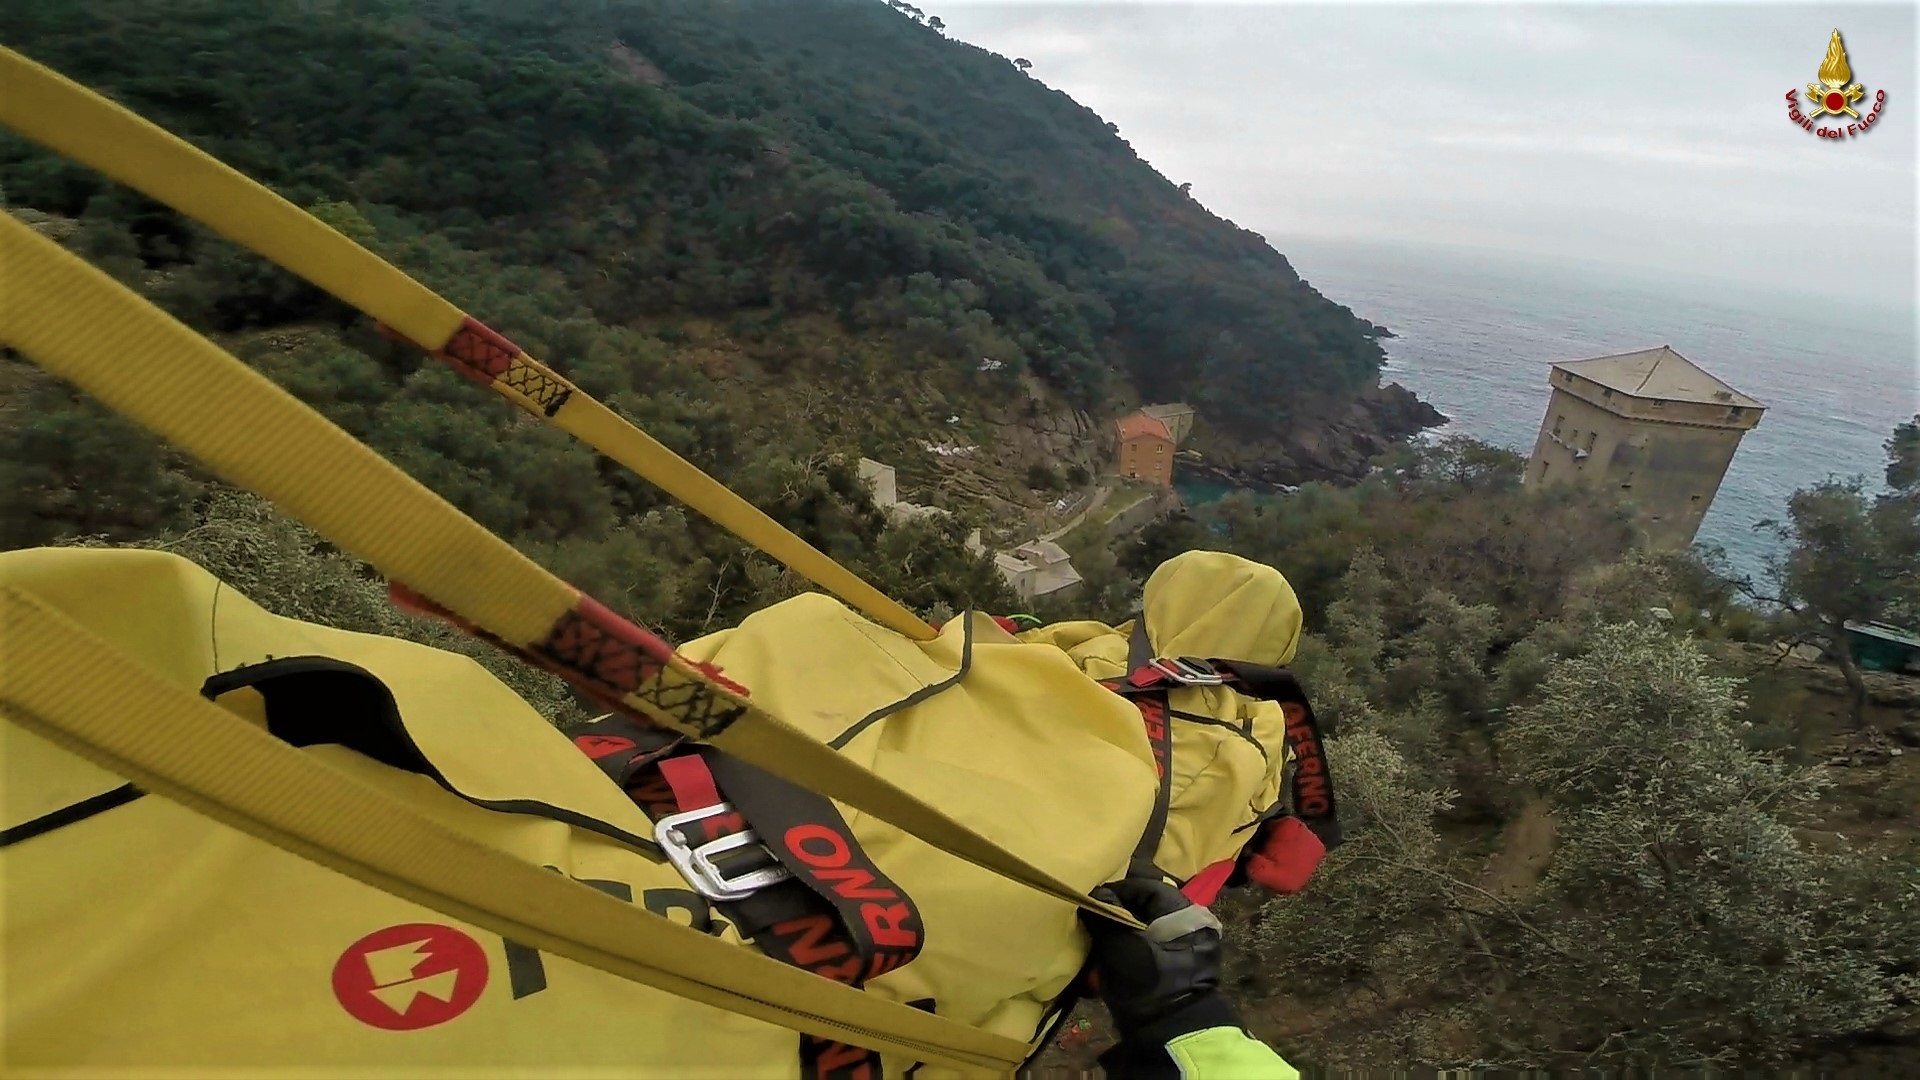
61, 682
76, 322
66, 117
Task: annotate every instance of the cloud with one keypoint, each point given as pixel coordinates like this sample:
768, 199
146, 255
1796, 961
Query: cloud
1611, 147
1612, 131
1535, 30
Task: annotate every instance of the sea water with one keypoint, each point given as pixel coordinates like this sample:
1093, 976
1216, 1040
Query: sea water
1475, 335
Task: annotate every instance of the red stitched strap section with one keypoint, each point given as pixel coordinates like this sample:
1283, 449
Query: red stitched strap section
599, 651
478, 352
484, 355
612, 654
610, 658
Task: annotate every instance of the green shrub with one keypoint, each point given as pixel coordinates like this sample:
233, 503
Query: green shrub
283, 567
1369, 913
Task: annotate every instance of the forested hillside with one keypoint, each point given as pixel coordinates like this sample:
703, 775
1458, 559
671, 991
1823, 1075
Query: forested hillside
776, 235
754, 161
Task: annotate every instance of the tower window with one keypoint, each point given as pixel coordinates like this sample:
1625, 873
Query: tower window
1590, 438
1557, 421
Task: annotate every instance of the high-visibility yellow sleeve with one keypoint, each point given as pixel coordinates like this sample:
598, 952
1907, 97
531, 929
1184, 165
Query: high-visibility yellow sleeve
1227, 1053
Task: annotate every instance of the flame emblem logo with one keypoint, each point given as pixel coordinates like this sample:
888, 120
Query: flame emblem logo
1834, 93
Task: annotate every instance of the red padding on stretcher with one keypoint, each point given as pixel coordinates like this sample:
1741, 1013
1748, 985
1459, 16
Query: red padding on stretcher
1287, 856
1204, 887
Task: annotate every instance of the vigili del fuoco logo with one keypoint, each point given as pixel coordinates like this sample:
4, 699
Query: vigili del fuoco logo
1835, 95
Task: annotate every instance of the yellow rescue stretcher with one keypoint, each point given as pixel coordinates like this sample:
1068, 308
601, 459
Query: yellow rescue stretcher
235, 841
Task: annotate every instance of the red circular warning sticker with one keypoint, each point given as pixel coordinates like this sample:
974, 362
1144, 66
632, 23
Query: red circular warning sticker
410, 976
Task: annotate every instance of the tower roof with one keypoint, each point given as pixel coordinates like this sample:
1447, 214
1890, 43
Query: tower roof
1658, 373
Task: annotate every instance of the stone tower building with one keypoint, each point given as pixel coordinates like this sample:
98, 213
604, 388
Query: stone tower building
1652, 424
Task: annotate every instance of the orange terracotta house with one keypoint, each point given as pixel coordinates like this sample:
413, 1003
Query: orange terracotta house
1145, 449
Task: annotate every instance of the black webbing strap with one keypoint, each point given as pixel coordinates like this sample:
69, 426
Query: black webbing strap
71, 814
1139, 645
312, 700
624, 747
1152, 703
1310, 788
838, 916
805, 831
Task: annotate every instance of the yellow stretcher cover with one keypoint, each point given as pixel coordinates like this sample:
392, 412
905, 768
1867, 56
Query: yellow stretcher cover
138, 933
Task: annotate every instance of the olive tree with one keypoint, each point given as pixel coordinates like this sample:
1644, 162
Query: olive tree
1684, 914
1851, 557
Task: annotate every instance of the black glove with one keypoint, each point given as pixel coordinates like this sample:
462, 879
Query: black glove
1164, 972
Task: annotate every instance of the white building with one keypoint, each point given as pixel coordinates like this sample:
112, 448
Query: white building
1037, 568
881, 479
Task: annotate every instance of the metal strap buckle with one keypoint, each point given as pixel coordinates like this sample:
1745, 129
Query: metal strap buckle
697, 864
1187, 671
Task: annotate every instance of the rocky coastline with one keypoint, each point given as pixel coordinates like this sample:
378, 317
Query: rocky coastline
1336, 447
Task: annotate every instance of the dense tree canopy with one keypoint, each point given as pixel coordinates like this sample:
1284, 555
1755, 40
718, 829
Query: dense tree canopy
666, 158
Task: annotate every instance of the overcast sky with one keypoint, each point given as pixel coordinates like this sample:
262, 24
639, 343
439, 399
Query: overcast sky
1630, 135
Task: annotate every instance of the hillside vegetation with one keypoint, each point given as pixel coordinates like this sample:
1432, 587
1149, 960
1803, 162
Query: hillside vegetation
753, 161
776, 235
1594, 816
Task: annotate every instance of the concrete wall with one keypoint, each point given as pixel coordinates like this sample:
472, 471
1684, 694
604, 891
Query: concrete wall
1137, 515
1575, 438
881, 480
1030, 582
1669, 470
1018, 576
1672, 474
